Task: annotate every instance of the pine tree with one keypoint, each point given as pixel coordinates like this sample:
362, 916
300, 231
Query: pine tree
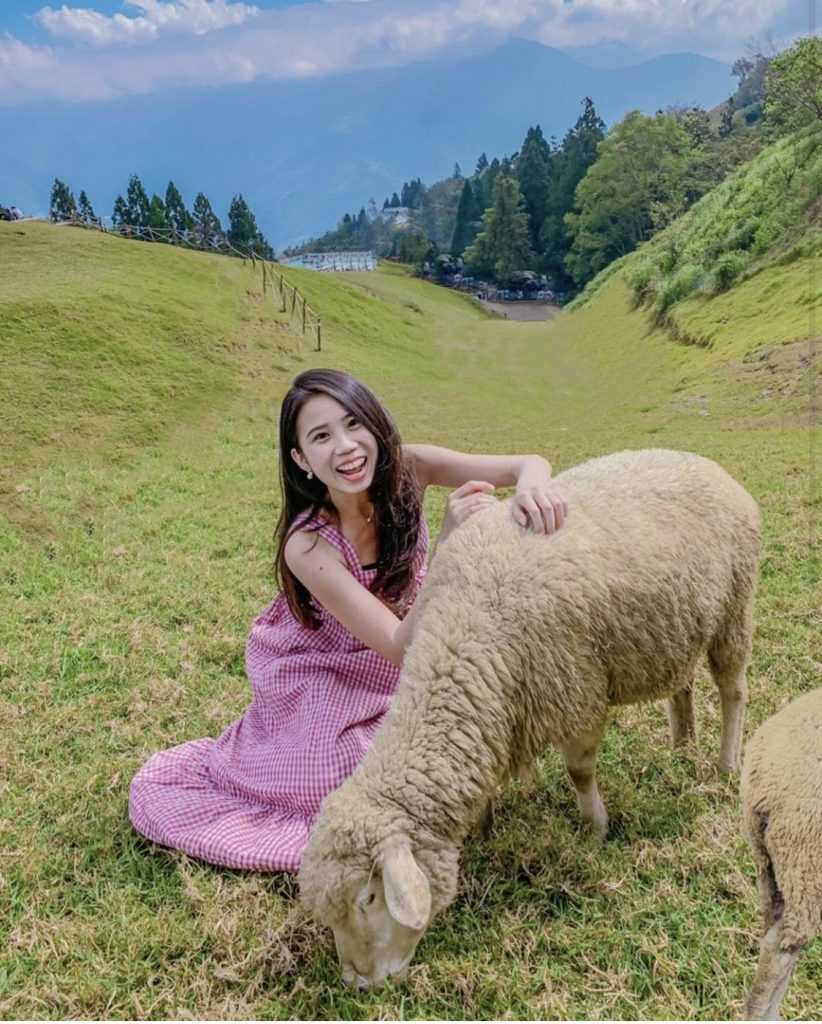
157, 214
395, 201
532, 170
569, 165
502, 247
62, 205
489, 179
207, 228
243, 232
138, 203
412, 193
119, 215
86, 210
482, 163
177, 216
465, 228
457, 172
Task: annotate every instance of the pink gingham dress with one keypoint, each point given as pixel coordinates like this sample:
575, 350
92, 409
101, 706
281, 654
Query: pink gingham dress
248, 799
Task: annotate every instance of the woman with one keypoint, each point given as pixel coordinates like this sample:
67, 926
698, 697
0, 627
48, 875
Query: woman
324, 658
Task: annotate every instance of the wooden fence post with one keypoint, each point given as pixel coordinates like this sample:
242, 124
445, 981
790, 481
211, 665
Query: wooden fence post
282, 294
319, 342
303, 315
265, 281
293, 300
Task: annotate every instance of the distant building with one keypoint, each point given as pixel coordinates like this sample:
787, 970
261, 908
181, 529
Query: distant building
333, 261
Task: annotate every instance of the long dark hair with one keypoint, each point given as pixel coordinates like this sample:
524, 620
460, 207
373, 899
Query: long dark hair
394, 491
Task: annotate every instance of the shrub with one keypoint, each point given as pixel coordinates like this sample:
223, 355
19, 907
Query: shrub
669, 257
640, 280
683, 283
728, 267
765, 236
741, 236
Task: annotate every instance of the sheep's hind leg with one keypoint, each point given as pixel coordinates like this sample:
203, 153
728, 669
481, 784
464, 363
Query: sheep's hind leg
773, 973
681, 716
728, 659
485, 825
580, 755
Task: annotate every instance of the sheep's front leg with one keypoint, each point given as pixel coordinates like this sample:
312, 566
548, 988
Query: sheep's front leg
773, 973
580, 755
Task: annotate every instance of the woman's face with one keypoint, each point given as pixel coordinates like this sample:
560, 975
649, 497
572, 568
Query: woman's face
335, 446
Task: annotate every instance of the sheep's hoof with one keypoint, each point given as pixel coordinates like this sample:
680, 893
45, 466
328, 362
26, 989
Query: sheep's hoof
597, 823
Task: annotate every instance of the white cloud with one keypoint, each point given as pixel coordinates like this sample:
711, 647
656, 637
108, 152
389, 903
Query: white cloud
182, 47
37, 72
195, 17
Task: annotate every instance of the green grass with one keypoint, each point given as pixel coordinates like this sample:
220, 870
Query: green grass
139, 494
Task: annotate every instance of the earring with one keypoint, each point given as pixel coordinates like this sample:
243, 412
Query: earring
310, 475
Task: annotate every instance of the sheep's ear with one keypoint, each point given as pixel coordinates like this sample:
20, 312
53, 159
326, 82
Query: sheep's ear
407, 892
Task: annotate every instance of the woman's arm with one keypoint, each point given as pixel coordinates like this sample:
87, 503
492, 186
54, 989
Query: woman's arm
351, 604
443, 467
536, 504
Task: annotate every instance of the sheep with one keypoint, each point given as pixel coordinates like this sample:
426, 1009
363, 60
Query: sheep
522, 641
781, 791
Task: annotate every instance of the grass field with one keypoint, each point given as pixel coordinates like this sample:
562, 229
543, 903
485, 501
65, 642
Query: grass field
138, 495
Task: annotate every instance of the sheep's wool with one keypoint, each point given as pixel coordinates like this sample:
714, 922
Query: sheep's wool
782, 800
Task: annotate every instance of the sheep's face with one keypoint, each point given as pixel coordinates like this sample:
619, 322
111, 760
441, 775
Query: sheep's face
378, 910
383, 918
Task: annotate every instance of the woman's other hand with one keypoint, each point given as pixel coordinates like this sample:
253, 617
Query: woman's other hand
471, 497
539, 509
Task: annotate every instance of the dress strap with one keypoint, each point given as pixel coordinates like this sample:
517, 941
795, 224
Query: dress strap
331, 533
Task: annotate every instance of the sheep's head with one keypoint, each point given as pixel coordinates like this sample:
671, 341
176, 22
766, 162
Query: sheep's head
364, 879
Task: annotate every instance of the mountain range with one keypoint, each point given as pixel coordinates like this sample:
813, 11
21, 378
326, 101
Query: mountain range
304, 152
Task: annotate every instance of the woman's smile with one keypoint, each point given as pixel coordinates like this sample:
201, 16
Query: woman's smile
353, 469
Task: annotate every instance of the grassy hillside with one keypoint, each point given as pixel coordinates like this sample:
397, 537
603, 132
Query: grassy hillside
139, 498
766, 214
105, 345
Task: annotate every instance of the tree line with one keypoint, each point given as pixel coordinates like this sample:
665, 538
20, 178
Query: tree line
566, 209
136, 211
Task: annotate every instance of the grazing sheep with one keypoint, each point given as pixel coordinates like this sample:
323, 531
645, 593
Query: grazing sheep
782, 814
523, 641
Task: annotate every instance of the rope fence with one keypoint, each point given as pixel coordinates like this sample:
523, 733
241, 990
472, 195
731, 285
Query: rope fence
292, 301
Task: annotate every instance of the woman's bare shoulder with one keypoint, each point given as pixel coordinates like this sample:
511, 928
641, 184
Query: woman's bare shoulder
414, 456
305, 544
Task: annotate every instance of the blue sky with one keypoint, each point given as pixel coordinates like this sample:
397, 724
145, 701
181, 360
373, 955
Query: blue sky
101, 50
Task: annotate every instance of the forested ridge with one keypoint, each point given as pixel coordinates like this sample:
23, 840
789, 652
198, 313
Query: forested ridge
139, 216
564, 210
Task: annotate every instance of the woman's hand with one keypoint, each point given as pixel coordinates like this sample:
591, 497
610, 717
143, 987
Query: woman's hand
471, 497
541, 510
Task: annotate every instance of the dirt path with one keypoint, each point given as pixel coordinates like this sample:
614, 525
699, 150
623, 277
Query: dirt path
522, 310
